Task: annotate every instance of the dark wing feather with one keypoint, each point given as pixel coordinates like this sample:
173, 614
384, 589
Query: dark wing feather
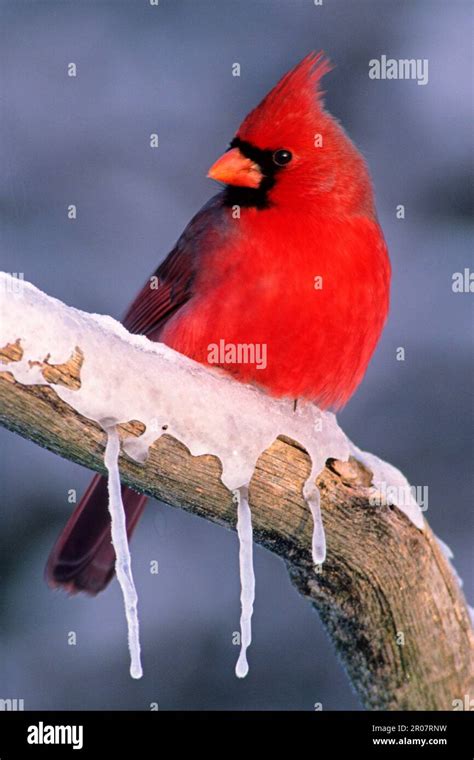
161, 297
153, 306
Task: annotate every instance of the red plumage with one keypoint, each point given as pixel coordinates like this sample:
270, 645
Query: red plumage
298, 206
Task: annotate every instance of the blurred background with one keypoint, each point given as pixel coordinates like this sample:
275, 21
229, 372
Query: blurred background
85, 140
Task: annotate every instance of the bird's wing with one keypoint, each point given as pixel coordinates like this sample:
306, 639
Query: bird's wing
171, 285
162, 295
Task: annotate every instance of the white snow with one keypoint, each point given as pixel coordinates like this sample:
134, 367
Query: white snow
387, 478
120, 541
205, 409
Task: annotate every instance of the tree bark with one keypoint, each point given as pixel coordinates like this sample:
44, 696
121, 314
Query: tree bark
386, 593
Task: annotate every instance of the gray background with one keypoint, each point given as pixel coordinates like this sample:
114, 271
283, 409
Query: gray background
85, 141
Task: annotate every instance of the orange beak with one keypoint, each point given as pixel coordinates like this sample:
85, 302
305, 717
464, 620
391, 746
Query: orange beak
234, 169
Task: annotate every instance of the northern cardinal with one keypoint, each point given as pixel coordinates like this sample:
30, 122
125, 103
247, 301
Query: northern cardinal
289, 255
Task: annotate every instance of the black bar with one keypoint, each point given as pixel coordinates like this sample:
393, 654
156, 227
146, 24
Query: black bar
143, 734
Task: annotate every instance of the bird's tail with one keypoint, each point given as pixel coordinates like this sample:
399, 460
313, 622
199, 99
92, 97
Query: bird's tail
83, 558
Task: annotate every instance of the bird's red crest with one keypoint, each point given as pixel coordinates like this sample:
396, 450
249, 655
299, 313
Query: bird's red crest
296, 96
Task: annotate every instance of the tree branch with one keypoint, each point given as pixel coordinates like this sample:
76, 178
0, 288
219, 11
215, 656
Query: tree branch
386, 593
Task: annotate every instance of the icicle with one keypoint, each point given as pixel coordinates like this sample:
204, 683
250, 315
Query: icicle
313, 500
122, 552
247, 577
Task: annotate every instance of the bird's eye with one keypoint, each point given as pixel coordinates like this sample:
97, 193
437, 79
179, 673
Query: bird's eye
282, 157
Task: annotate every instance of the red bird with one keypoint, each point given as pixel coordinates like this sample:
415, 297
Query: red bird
289, 255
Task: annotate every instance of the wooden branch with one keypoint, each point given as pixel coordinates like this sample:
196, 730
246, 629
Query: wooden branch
386, 593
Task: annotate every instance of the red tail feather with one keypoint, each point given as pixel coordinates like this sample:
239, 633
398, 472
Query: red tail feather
83, 558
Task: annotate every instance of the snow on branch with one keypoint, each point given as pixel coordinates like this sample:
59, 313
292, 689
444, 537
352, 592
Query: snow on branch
195, 438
